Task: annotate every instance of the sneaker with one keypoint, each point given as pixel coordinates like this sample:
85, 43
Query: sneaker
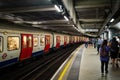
117, 65
105, 74
102, 74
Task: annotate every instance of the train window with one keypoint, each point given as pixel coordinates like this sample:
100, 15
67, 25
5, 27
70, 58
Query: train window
35, 41
1, 44
29, 41
13, 43
24, 45
65, 39
42, 41
58, 39
47, 39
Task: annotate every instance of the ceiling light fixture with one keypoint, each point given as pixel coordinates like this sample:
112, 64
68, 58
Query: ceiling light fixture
112, 20
66, 18
57, 8
91, 30
75, 28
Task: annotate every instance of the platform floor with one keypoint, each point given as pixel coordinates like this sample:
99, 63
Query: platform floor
84, 64
90, 67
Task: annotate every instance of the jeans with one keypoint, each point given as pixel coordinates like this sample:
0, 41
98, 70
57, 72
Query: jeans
104, 64
86, 44
98, 46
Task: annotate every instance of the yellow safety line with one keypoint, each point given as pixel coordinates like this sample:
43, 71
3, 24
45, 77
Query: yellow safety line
65, 69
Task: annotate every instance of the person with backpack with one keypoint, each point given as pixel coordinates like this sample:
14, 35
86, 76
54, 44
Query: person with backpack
104, 57
114, 49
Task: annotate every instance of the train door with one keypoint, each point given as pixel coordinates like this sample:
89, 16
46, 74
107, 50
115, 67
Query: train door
57, 41
65, 40
27, 46
47, 43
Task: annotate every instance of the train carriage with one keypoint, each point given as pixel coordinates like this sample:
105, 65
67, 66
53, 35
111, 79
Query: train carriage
17, 45
42, 43
9, 48
60, 40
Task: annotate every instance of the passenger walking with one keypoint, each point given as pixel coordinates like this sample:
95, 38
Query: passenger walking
86, 42
95, 41
99, 42
118, 39
104, 57
114, 51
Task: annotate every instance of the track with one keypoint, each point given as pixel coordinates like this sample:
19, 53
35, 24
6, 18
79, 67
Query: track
41, 69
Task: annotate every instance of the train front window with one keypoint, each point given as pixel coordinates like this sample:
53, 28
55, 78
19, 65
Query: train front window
1, 44
35, 41
12, 43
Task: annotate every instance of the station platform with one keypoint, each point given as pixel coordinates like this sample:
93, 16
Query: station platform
84, 64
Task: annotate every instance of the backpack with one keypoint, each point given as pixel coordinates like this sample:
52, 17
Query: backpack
103, 52
114, 47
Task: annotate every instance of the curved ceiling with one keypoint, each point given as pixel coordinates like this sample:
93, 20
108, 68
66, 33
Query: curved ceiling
91, 14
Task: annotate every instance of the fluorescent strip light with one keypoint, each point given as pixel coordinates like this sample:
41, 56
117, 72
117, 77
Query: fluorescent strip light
66, 18
18, 21
91, 30
57, 8
75, 28
112, 20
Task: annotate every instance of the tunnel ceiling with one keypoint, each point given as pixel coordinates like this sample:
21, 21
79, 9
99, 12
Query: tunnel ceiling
36, 13
42, 14
93, 13
96, 14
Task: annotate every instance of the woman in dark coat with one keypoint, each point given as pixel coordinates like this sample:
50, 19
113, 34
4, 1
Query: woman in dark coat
114, 51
